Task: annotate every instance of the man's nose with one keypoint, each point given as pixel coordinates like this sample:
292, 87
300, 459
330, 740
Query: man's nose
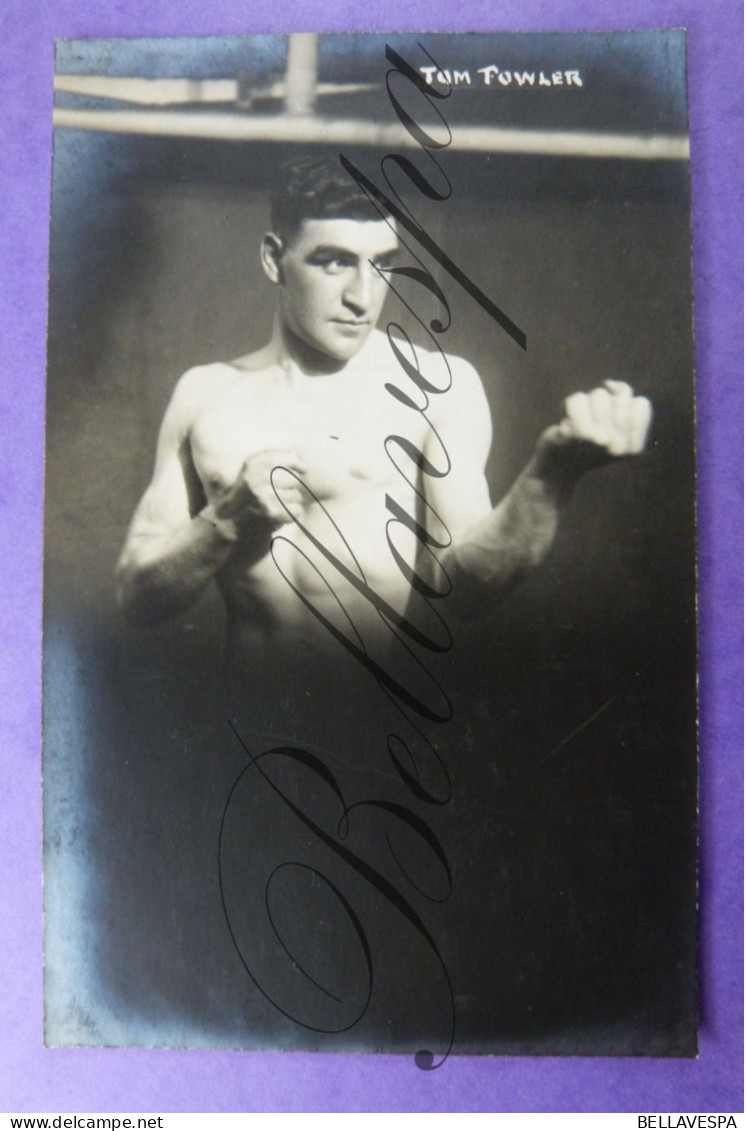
358, 292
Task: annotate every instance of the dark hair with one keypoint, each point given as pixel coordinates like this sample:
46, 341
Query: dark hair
317, 188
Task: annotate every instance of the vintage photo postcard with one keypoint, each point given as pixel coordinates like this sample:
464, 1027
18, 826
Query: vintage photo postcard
369, 614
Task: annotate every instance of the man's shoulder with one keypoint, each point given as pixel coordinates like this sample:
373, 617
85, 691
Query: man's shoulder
205, 376
194, 390
437, 368
456, 397
451, 371
203, 381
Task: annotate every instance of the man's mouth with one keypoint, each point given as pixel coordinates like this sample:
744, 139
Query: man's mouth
350, 329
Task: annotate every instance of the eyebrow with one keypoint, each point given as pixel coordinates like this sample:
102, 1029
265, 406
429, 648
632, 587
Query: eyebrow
346, 252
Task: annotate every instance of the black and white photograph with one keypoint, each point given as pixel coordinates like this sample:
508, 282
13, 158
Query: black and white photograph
370, 668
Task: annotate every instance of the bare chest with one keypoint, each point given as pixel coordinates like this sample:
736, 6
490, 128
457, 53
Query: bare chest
338, 433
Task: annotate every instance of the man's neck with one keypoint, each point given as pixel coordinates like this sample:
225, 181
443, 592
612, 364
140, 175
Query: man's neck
299, 360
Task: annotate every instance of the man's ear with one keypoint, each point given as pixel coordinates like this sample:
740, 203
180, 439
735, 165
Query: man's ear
271, 255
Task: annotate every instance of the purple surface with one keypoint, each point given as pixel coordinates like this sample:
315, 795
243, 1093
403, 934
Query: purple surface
33, 1078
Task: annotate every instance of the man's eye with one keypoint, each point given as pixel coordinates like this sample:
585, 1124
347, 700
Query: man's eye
332, 264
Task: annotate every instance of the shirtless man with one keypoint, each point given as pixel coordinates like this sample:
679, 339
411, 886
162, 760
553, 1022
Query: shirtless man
317, 496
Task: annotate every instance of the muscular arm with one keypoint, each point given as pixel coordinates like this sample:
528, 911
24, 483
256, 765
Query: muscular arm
161, 572
494, 548
173, 548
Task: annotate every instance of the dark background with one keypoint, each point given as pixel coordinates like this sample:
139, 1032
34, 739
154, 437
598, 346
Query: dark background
572, 829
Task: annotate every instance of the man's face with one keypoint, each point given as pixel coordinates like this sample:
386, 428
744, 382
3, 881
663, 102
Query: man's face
331, 294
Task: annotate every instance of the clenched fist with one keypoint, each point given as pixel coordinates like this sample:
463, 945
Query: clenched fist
599, 426
260, 501
611, 417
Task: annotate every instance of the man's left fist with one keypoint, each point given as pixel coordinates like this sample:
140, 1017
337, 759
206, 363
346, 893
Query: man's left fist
611, 417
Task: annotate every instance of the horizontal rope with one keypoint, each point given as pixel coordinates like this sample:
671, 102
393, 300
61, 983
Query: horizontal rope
335, 131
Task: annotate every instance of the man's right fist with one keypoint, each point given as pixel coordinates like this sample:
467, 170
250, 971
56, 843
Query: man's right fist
259, 500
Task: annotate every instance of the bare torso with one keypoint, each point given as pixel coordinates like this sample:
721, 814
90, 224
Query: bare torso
337, 425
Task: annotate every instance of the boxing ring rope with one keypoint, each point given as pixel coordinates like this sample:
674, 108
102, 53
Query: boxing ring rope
330, 131
299, 124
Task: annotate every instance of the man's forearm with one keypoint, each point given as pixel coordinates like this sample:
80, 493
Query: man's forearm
496, 553
159, 576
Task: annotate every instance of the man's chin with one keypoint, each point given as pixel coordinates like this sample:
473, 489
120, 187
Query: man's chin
345, 347
348, 354
331, 352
